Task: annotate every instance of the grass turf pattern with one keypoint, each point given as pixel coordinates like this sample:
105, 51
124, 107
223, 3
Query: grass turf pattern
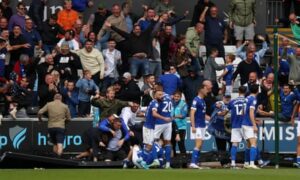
119, 174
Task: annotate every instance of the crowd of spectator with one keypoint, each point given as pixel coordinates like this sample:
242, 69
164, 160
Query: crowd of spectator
116, 59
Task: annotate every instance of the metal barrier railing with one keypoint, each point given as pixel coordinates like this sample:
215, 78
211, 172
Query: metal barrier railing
274, 10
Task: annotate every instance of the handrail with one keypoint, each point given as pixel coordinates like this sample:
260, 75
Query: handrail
291, 40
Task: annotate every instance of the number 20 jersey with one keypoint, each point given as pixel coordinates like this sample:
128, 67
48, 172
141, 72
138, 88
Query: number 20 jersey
164, 109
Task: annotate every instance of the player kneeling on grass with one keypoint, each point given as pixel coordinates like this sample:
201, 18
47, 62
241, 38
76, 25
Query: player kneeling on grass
138, 158
197, 117
58, 115
250, 128
152, 114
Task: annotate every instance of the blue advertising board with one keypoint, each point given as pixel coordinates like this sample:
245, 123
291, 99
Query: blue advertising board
30, 136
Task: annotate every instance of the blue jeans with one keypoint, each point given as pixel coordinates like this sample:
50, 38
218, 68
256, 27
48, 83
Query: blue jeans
108, 81
137, 65
48, 48
155, 68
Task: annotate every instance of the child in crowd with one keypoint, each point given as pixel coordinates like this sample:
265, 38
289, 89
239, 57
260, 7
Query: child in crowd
227, 75
87, 88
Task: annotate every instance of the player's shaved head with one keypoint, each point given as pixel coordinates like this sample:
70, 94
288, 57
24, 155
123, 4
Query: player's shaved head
208, 85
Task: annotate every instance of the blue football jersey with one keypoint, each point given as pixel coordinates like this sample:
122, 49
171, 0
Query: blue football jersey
200, 107
217, 121
228, 77
251, 104
159, 150
150, 120
165, 109
237, 109
287, 103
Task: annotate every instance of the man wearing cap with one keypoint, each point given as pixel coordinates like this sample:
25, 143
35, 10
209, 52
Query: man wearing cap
67, 17
58, 115
50, 32
67, 63
92, 59
130, 91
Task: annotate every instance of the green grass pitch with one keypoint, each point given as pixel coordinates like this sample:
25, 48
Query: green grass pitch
119, 174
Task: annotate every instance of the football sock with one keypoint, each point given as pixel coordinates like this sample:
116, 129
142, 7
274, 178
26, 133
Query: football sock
233, 155
247, 155
168, 152
252, 155
195, 156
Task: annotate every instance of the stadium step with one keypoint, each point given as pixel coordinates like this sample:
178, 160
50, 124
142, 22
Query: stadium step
284, 31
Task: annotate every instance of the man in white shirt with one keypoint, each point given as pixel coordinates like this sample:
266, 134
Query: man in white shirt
69, 38
112, 59
129, 115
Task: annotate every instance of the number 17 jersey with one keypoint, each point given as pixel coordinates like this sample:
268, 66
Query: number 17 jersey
237, 109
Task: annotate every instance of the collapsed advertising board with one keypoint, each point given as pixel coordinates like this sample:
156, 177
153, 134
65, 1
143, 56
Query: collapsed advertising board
30, 136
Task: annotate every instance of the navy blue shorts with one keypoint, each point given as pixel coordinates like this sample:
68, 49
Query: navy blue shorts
57, 135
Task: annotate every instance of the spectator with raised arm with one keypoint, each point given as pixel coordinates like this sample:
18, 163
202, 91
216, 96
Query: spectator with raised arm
117, 19
69, 39
258, 54
50, 32
109, 104
245, 67
193, 42
198, 9
97, 19
215, 31
140, 45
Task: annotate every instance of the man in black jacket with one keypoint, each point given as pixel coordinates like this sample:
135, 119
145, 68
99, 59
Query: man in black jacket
246, 67
44, 68
36, 12
190, 85
67, 63
139, 46
130, 91
50, 32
